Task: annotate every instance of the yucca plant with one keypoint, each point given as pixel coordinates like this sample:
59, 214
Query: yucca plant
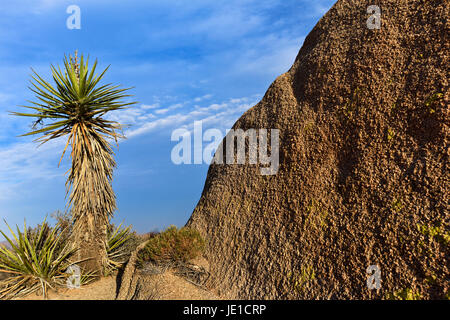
74, 107
36, 260
117, 247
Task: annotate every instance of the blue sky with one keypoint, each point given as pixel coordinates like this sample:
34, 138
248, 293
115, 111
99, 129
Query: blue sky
187, 60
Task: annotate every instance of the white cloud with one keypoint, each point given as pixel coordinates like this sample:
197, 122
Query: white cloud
268, 55
28, 161
162, 111
221, 114
25, 164
170, 108
205, 97
228, 22
150, 106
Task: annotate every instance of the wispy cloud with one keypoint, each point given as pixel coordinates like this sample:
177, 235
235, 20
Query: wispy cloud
223, 114
205, 97
22, 161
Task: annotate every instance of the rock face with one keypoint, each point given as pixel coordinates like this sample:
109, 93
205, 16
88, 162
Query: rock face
363, 179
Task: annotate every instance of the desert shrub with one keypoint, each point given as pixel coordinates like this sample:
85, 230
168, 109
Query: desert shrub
36, 260
172, 246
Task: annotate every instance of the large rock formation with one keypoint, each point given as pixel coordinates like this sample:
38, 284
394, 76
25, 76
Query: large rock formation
363, 179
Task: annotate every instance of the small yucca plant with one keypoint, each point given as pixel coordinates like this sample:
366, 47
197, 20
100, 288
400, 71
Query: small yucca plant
36, 260
117, 247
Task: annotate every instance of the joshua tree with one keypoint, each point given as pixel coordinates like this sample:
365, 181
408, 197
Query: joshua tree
75, 107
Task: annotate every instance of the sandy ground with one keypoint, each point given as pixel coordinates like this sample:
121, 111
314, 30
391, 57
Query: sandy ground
165, 286
103, 289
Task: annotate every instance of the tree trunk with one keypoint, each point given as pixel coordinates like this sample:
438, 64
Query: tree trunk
92, 198
90, 241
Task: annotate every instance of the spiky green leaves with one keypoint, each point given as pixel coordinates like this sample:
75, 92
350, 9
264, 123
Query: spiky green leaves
37, 260
75, 97
117, 247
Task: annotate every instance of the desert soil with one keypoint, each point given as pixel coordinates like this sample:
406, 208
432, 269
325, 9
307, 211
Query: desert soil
166, 286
